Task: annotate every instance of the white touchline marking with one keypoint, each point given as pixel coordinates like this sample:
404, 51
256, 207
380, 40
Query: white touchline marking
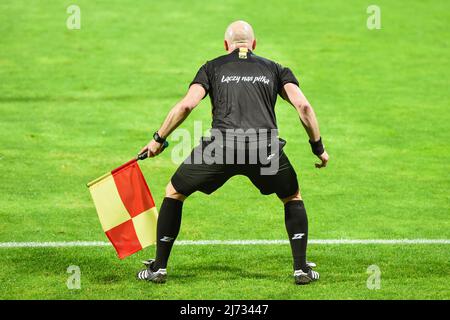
63, 244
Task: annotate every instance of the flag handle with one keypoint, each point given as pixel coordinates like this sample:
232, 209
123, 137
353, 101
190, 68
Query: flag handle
144, 154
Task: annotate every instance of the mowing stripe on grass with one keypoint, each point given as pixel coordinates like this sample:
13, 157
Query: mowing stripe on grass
225, 242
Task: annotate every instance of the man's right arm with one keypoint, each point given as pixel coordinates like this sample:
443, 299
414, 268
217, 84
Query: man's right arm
293, 94
182, 109
175, 117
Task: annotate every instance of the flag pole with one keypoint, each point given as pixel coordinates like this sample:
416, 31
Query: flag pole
89, 184
141, 156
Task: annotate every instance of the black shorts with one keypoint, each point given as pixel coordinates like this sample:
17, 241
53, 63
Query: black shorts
194, 176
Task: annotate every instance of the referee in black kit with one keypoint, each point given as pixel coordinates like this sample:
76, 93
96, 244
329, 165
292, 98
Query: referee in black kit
243, 88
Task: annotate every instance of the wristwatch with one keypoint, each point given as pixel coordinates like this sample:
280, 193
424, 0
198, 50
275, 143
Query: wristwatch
158, 138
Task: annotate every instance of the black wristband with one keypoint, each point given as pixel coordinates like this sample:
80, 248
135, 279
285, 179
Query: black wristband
158, 138
317, 147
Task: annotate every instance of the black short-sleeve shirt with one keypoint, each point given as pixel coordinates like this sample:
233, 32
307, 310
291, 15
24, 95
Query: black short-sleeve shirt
243, 89
202, 78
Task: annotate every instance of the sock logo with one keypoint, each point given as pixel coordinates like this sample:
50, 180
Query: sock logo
298, 236
166, 239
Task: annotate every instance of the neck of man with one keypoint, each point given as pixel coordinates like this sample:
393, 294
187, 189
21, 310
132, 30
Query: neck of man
236, 45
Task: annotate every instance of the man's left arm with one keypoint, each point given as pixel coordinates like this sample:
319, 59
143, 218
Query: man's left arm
292, 93
175, 117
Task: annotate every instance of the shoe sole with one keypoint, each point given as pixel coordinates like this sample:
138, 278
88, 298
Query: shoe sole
302, 280
160, 279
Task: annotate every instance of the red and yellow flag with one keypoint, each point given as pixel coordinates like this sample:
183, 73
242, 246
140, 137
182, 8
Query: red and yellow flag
126, 208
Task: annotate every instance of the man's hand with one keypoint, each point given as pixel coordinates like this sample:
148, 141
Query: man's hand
324, 158
153, 148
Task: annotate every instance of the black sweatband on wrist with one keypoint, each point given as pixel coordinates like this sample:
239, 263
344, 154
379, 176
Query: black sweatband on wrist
158, 138
317, 147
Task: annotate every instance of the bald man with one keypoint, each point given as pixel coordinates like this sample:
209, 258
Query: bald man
243, 89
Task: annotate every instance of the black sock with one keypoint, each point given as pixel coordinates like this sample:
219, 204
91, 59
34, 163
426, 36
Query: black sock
297, 229
169, 221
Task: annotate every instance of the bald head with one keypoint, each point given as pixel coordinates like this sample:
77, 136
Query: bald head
239, 34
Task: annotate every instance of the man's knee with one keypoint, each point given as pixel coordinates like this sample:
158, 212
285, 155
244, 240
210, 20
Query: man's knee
294, 197
172, 193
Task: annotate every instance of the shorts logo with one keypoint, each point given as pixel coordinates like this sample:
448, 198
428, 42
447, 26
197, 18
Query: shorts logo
298, 236
166, 239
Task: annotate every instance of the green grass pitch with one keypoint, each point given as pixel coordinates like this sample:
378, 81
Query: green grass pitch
77, 103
